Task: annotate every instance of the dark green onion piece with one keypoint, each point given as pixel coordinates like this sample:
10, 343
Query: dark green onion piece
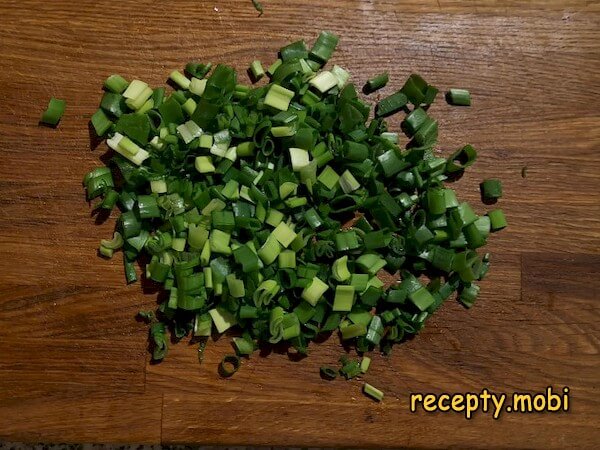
324, 46
458, 97
328, 373
415, 120
350, 368
110, 200
243, 346
101, 122
160, 341
148, 316
418, 91
376, 83
391, 104
461, 159
469, 294
116, 84
229, 365
198, 70
497, 220
293, 51
55, 110
258, 6
491, 189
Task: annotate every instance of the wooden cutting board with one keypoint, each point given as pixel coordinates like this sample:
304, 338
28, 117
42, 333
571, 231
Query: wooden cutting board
73, 361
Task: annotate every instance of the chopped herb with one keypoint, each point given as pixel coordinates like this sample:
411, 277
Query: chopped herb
229, 365
148, 316
458, 97
376, 83
237, 196
373, 392
55, 110
328, 373
258, 6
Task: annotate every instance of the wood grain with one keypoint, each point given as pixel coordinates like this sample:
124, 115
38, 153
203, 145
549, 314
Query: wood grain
73, 365
72, 414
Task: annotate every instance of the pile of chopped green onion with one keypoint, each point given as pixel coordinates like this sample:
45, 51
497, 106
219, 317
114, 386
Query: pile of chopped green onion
237, 196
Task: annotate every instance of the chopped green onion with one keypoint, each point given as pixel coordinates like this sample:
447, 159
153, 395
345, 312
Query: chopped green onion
344, 298
202, 325
243, 346
116, 84
373, 392
189, 106
101, 122
283, 234
314, 291
229, 365
347, 240
324, 46
189, 131
299, 158
458, 97
258, 6
352, 331
241, 198
203, 164
222, 319
265, 292
219, 242
274, 217
491, 189
147, 207
279, 97
348, 183
415, 89
136, 94
324, 81
469, 294
350, 368
328, 373
115, 243
328, 177
256, 69
273, 67
340, 269
371, 263
342, 76
497, 220
270, 250
158, 186
197, 86
376, 83
127, 148
55, 110
421, 298
287, 259
198, 70
461, 159
364, 364
391, 105
135, 89
180, 79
